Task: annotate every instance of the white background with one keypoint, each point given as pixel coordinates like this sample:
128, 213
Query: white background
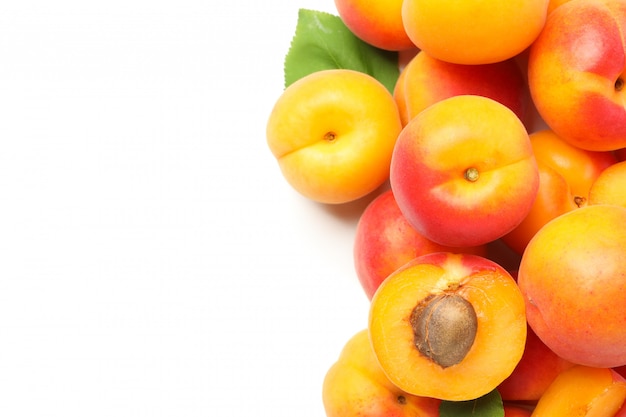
153, 261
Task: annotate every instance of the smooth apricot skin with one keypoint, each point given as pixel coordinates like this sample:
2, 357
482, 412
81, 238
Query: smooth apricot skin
427, 80
566, 174
554, 4
464, 32
499, 339
356, 386
511, 410
584, 391
610, 186
573, 278
436, 152
534, 373
333, 133
378, 23
575, 73
384, 241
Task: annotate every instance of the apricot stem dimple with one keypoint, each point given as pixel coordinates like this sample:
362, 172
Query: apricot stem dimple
579, 201
444, 328
619, 84
471, 174
330, 136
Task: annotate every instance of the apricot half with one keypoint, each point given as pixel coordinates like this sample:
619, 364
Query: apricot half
448, 326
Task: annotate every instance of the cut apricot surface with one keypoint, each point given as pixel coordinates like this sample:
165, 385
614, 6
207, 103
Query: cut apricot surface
476, 356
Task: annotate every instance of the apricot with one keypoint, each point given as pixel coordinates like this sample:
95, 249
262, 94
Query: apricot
384, 241
475, 31
610, 186
575, 73
463, 171
584, 391
534, 373
332, 133
573, 278
448, 326
566, 174
426, 80
512, 410
356, 386
378, 23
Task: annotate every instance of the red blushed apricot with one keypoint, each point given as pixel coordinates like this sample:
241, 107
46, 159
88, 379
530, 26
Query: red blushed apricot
448, 326
576, 73
534, 373
426, 80
463, 171
511, 410
384, 241
378, 23
584, 391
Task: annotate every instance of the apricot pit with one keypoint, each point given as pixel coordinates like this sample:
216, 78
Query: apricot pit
444, 327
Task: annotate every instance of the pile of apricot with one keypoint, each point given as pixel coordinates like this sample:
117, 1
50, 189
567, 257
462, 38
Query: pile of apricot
493, 245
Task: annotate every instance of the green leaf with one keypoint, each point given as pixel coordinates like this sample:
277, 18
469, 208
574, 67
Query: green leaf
322, 41
489, 405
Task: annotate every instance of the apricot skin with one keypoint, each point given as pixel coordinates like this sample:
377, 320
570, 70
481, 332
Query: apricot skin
384, 241
584, 391
356, 386
573, 278
439, 146
378, 23
426, 80
332, 133
463, 32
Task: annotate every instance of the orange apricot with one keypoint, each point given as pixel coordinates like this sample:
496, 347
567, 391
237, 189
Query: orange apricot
566, 174
474, 31
448, 326
463, 171
573, 278
610, 186
584, 391
356, 386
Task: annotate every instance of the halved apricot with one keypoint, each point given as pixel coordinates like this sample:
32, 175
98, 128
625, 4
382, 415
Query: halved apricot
448, 326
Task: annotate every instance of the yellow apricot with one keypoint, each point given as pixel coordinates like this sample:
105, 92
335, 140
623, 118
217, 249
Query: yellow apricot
333, 133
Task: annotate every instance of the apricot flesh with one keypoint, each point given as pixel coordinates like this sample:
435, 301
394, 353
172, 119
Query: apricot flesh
494, 345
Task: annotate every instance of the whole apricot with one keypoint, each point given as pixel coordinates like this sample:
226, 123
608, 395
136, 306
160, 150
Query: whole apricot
356, 386
576, 73
573, 278
463, 171
473, 31
333, 133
